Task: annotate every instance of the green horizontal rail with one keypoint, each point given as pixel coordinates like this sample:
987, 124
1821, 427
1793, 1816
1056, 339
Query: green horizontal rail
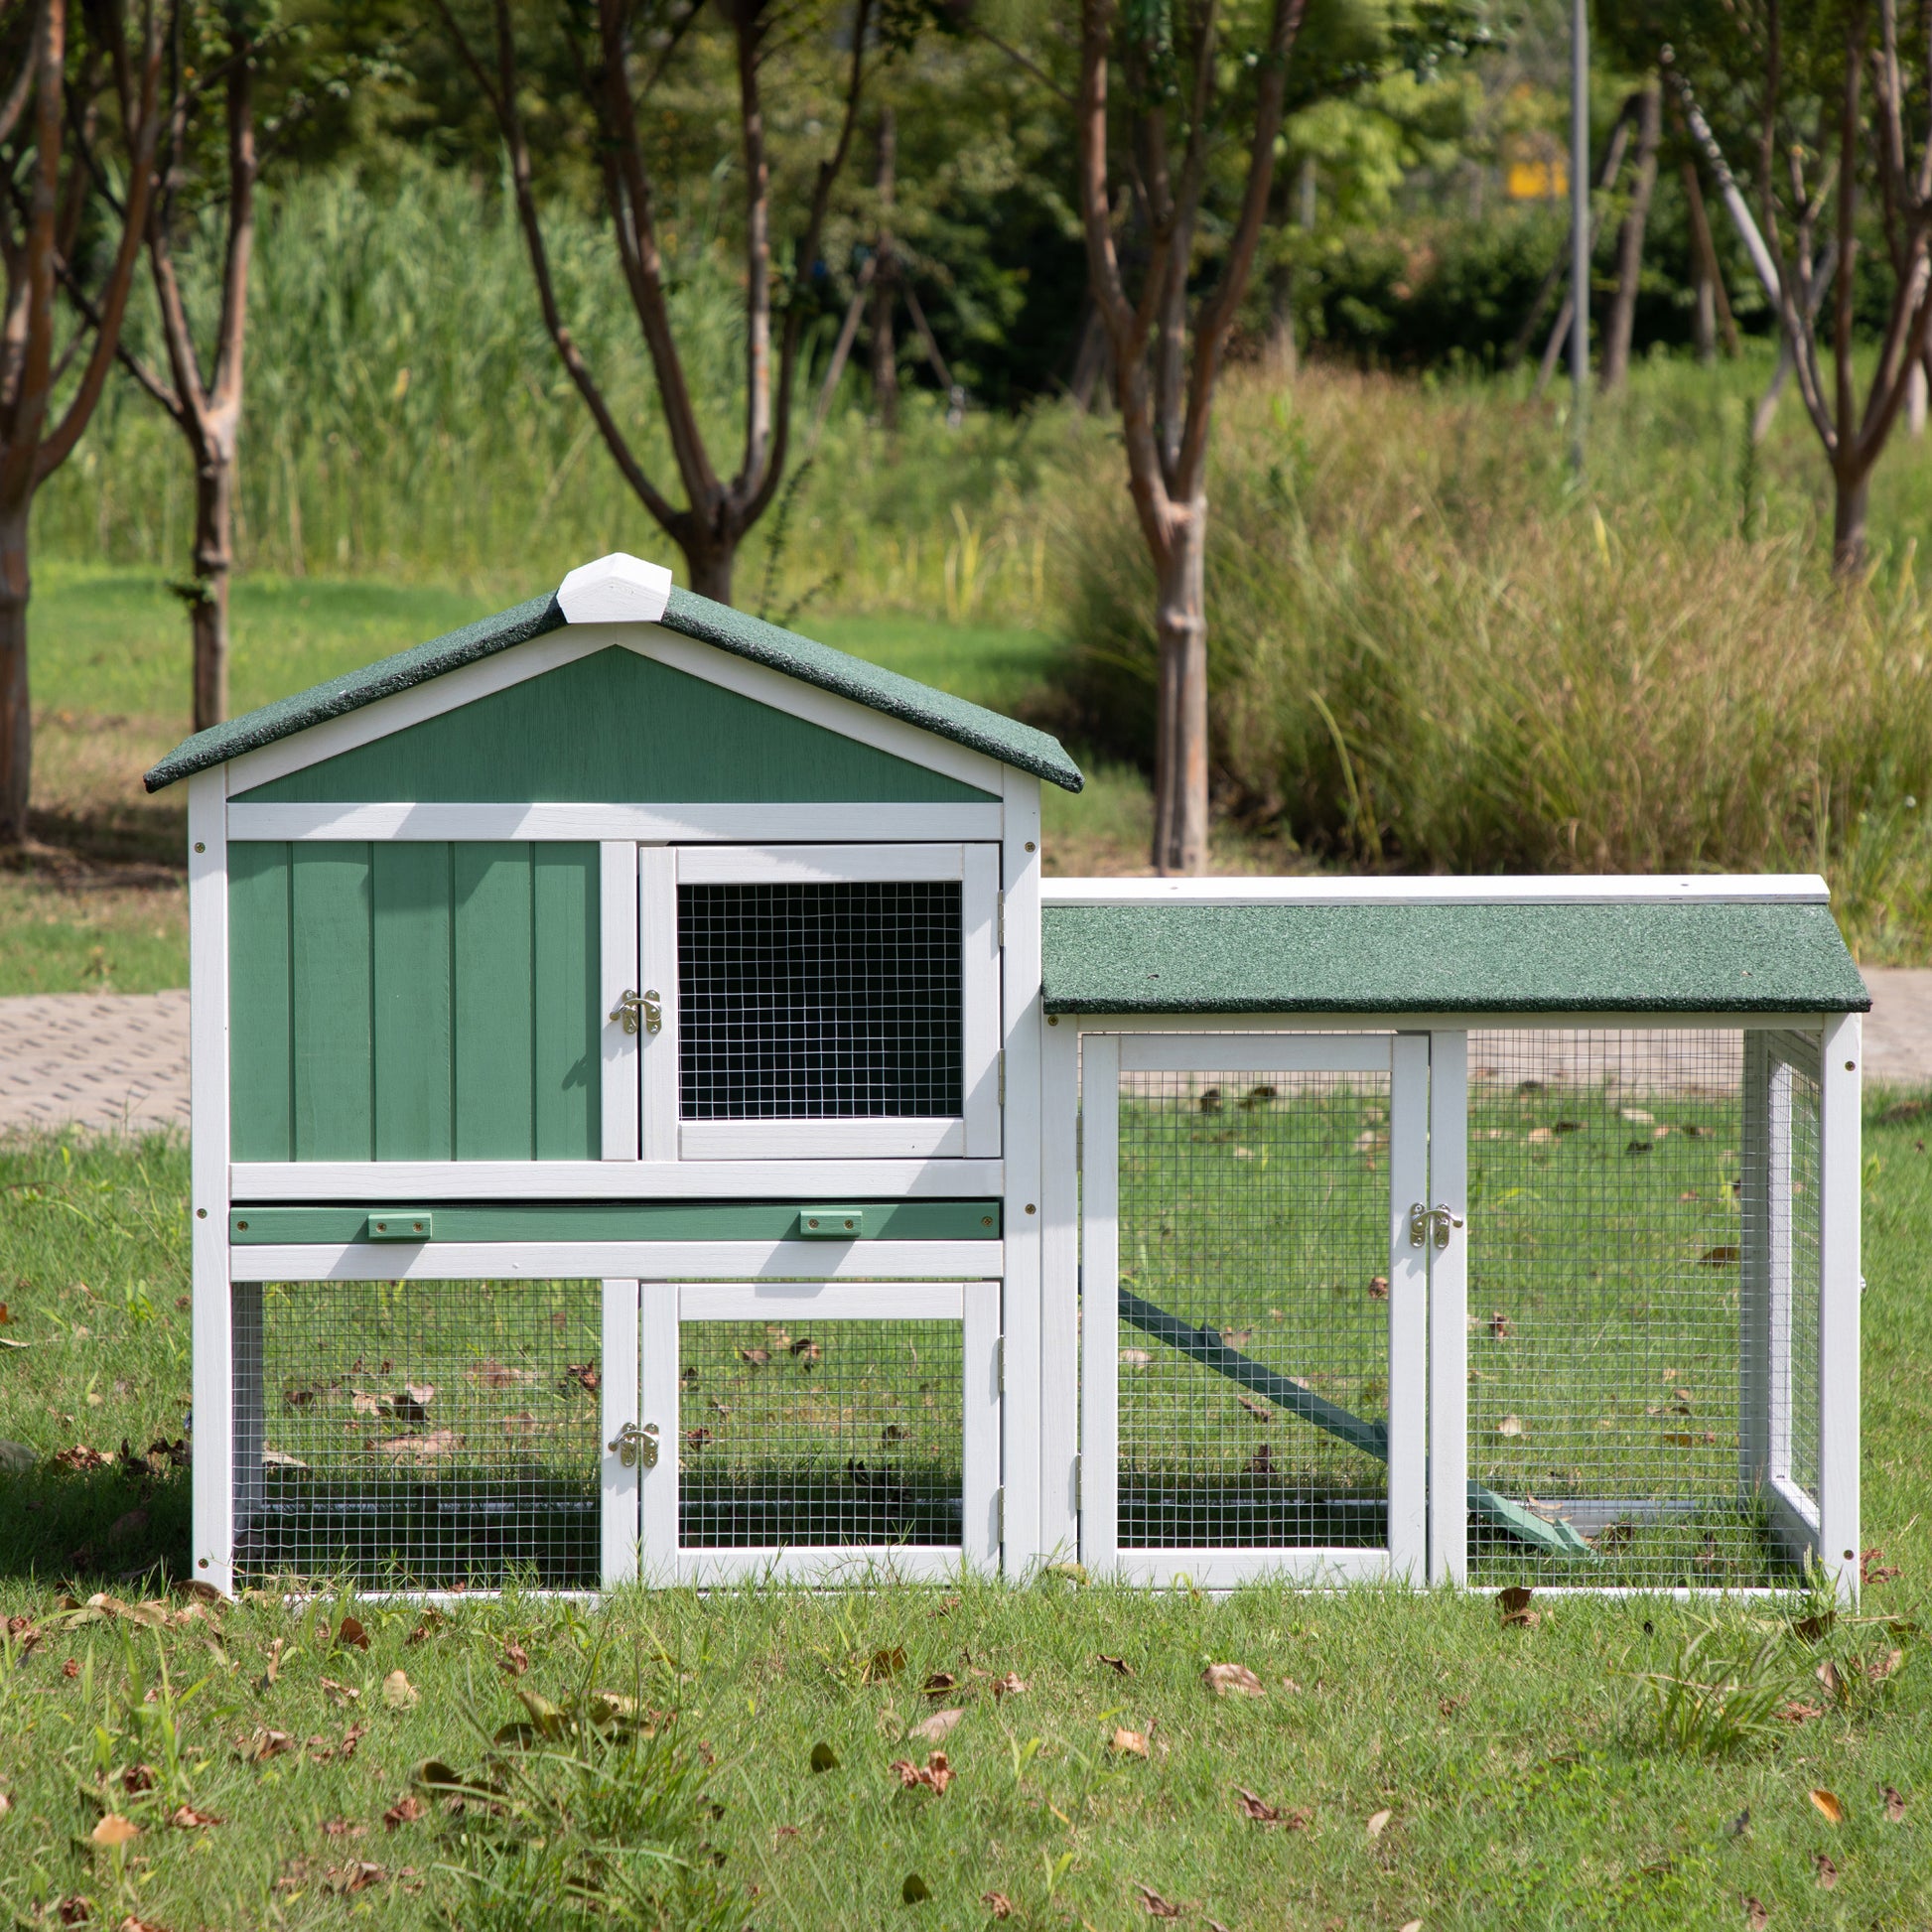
917, 1220
1206, 1347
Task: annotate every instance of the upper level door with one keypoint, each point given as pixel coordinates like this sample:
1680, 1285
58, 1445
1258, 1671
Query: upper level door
801, 1002
1254, 1306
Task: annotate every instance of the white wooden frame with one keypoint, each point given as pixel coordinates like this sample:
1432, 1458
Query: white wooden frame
817, 1182
433, 1261
1840, 1055
974, 1133
666, 1304
1405, 1062
1448, 1302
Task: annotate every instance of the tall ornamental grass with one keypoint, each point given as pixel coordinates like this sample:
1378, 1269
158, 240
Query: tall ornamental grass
1430, 651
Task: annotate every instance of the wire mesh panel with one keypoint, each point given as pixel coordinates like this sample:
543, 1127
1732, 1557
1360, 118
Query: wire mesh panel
852, 1435
418, 1435
1795, 1270
1620, 1201
822, 1000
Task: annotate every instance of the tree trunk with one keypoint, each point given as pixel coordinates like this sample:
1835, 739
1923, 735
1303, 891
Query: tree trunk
1848, 519
15, 716
1093, 364
214, 564
885, 345
1714, 317
1915, 398
711, 569
1180, 734
1629, 240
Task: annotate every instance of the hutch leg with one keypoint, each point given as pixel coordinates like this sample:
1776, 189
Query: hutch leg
619, 1369
1838, 1310
1449, 1297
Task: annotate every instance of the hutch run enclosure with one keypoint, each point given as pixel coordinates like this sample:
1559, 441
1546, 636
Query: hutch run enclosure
653, 1119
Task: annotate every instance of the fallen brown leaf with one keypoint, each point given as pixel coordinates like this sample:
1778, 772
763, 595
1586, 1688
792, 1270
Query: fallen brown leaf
113, 1830
883, 1666
1872, 1568
1378, 1288
934, 1774
1826, 1870
1756, 1918
398, 1693
1882, 1667
353, 1633
137, 1778
1894, 1805
1501, 1327
342, 1828
184, 1818
585, 1375
340, 1693
997, 1904
1260, 1463
1011, 1684
405, 1811
1258, 1809
757, 1357
1157, 1906
263, 1743
1798, 1710
1125, 1744
1379, 1823
1238, 1679
427, 1625
934, 1729
1118, 1665
1827, 1804
1514, 1603
940, 1682
513, 1658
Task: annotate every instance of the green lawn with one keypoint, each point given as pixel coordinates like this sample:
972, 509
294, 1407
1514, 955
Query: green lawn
1521, 1767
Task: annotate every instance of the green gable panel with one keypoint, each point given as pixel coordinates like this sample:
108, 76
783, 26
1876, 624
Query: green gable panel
1743, 958
615, 728
413, 1002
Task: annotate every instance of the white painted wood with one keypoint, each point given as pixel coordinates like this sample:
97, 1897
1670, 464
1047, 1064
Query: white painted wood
819, 865
980, 1420
1011, 998
979, 988
644, 824
810, 1182
787, 693
421, 702
618, 1400
1425, 1019
1799, 1050
1056, 1386
1757, 1162
889, 1138
208, 1078
1099, 1300
1839, 1310
1714, 888
443, 1261
617, 975
1214, 1569
618, 589
1273, 1052
657, 974
825, 1300
658, 1313
1408, 1177
1448, 1305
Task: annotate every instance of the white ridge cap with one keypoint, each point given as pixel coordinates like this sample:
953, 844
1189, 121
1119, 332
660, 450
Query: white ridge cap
618, 589
1699, 888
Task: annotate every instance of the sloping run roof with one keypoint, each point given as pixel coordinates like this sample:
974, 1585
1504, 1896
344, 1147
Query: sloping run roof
1017, 744
1765, 957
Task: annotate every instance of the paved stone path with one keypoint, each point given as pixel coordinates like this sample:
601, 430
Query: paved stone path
119, 1062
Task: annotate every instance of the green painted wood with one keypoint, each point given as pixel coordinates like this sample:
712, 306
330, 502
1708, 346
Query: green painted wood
496, 1003
329, 944
565, 1064
414, 1064
616, 728
261, 1076
1737, 958
923, 1220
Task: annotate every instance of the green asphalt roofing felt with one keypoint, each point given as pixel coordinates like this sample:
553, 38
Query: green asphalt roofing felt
1764, 957
938, 711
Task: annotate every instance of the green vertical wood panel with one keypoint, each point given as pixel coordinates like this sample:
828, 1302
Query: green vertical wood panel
260, 1079
329, 947
414, 1067
564, 899
495, 1003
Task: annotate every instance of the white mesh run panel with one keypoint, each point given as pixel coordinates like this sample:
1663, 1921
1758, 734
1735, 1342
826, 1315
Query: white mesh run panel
819, 1001
418, 1435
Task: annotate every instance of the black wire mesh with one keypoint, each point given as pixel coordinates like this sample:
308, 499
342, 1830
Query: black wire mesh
819, 1002
419, 1435
849, 1433
1611, 1371
1253, 1211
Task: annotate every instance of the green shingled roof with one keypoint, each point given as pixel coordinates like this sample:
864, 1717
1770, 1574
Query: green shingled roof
946, 716
1675, 957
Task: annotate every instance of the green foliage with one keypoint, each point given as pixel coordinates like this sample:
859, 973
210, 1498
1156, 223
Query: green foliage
1722, 1692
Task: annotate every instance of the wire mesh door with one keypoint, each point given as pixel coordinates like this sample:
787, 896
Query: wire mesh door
819, 1430
1253, 1309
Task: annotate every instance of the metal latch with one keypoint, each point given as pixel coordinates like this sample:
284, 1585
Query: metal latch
831, 1223
630, 1442
1422, 1218
627, 1009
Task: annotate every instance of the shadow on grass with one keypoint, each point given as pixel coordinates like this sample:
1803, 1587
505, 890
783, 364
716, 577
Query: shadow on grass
111, 846
95, 1527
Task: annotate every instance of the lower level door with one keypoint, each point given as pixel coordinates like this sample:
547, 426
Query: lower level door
816, 1431
1254, 1306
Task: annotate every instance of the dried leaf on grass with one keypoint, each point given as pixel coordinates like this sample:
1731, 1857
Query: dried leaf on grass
934, 1774
340, 1693
398, 1693
1263, 1813
1235, 1679
184, 1818
883, 1666
935, 1727
512, 1658
997, 1904
1827, 1805
262, 1744
353, 1633
1118, 1665
1157, 1906
1826, 1870
114, 1830
405, 1811
1011, 1684
342, 1828
940, 1682
1514, 1603
1757, 1916
1125, 1742
1379, 1823
1894, 1805
427, 1625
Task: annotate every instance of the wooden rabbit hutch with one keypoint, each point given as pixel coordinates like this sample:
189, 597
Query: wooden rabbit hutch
651, 1122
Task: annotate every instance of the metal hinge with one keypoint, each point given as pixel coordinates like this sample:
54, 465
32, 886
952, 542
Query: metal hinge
1003, 1076
1003, 921
1079, 1482
1080, 1139
999, 1511
999, 1361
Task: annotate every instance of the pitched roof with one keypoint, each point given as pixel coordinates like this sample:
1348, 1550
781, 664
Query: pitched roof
1334, 954
837, 671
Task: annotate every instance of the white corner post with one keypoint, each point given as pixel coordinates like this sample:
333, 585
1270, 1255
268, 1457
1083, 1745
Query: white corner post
1839, 1290
1059, 1290
1023, 1204
1408, 1179
212, 1485
1100, 1299
618, 1503
1448, 1304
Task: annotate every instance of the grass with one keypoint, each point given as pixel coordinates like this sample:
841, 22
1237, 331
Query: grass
1530, 1776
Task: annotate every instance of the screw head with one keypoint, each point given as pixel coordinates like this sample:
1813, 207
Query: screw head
200, 1215
1029, 1207
199, 846
1029, 845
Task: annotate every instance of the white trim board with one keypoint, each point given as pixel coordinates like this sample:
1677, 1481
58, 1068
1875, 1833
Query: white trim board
643, 824
1709, 889
433, 1181
645, 1261
1632, 1019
